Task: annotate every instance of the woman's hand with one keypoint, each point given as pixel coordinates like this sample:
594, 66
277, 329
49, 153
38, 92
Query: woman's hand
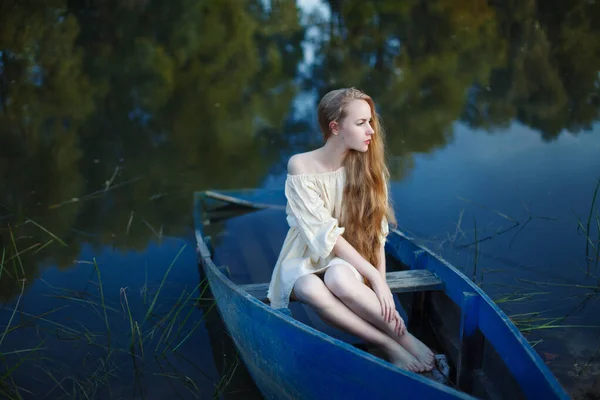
400, 327
388, 307
386, 299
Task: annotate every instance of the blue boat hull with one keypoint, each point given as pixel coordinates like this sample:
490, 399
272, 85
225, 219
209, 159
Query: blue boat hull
288, 359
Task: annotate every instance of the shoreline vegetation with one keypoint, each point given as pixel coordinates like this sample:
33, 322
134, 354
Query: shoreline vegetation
141, 340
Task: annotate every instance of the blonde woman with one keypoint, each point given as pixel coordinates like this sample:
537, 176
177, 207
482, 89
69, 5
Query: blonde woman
338, 212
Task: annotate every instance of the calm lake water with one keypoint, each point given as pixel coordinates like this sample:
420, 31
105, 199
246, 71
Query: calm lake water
113, 113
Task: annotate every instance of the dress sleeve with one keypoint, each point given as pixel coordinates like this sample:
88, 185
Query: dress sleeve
307, 211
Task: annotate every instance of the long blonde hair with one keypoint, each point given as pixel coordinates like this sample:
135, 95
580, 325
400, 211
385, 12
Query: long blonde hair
366, 199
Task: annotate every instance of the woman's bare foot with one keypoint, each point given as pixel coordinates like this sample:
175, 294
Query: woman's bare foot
400, 357
417, 349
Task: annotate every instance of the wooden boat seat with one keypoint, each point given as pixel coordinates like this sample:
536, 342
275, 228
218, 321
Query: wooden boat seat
415, 280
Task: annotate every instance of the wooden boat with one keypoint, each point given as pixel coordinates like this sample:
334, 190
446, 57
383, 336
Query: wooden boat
290, 353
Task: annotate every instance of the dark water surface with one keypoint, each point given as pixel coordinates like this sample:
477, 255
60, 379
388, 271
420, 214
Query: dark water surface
113, 113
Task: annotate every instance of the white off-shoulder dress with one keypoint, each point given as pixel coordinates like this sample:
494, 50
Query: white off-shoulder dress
314, 209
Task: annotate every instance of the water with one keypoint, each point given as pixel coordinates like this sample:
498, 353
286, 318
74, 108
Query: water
112, 115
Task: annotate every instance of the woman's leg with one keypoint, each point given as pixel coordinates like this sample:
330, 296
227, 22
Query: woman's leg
342, 282
311, 290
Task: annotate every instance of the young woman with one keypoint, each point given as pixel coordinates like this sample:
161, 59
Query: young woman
338, 212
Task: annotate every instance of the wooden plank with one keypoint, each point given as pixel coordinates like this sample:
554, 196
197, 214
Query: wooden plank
399, 282
413, 281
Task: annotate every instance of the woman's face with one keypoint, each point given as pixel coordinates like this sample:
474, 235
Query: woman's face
355, 129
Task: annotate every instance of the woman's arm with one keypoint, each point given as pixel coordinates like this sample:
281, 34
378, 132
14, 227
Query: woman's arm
348, 253
378, 283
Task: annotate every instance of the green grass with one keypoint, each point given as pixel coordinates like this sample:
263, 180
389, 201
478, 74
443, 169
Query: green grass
523, 292
30, 221
101, 290
498, 232
589, 220
152, 305
8, 387
592, 246
227, 376
157, 329
12, 316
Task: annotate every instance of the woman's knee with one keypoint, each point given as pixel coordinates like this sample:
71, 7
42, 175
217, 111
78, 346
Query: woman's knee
310, 289
341, 281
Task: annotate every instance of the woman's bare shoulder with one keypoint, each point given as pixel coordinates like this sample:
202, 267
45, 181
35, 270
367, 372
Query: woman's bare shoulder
302, 163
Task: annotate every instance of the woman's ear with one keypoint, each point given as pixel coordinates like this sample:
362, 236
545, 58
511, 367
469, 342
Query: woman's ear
333, 127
